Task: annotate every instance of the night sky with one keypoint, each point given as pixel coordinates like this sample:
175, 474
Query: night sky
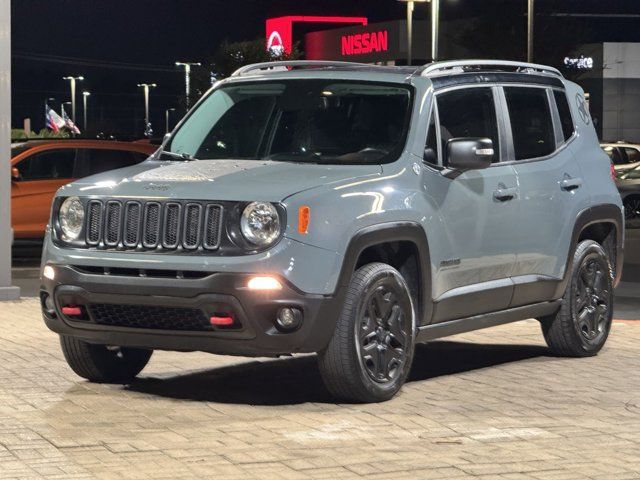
116, 44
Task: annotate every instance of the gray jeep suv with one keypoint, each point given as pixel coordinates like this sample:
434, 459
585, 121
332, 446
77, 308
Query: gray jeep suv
345, 209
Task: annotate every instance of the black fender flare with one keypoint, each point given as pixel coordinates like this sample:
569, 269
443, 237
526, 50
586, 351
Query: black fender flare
393, 232
604, 213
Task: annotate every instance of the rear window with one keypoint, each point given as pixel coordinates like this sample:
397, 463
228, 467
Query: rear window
565, 114
633, 155
531, 124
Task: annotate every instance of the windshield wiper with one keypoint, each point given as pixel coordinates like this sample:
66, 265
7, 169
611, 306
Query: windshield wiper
185, 157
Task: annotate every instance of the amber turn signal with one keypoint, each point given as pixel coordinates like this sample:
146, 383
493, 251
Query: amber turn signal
304, 214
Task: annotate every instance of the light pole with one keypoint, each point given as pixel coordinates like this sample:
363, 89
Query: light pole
530, 19
145, 89
187, 77
166, 119
62, 107
73, 95
85, 96
435, 28
410, 5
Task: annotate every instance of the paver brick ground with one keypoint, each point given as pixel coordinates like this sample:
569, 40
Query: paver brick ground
488, 404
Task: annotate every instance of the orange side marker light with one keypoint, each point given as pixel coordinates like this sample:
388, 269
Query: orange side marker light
304, 215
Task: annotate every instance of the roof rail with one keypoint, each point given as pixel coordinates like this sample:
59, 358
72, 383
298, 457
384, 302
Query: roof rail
442, 68
291, 64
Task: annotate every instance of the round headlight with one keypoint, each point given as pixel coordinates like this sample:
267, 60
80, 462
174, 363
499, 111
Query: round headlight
71, 218
260, 223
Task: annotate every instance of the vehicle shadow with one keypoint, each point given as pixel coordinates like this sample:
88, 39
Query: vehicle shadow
297, 380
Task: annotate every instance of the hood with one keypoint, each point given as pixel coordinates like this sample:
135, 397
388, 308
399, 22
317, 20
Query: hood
234, 180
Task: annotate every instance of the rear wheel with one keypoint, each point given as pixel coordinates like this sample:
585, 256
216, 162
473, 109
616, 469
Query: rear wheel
369, 357
581, 326
632, 212
99, 363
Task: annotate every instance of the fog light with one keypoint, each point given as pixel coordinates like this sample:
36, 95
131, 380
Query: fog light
289, 318
264, 283
49, 272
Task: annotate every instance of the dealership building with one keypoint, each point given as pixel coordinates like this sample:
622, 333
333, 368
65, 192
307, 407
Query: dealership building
610, 73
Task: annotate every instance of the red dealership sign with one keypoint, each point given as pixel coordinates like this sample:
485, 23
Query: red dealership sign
280, 29
367, 42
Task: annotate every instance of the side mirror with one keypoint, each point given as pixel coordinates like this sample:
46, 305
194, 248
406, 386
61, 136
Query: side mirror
469, 153
430, 156
15, 174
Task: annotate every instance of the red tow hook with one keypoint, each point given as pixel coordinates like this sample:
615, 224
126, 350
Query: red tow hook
72, 311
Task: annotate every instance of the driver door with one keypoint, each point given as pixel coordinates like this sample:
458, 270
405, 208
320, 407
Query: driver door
473, 247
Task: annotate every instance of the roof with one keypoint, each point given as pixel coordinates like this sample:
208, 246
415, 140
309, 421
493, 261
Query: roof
436, 69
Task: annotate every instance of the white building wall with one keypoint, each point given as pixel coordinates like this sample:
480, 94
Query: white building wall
621, 92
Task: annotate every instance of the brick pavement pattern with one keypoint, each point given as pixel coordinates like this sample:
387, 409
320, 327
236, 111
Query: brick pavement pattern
490, 404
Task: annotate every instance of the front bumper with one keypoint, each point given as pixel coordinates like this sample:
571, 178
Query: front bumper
255, 312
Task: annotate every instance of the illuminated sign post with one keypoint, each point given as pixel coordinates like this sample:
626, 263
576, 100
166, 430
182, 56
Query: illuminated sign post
280, 29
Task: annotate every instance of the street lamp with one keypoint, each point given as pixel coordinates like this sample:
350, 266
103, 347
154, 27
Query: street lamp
187, 77
145, 89
410, 4
85, 96
63, 104
530, 19
166, 119
73, 95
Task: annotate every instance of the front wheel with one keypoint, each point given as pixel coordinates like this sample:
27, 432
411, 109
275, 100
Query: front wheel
581, 326
370, 354
102, 364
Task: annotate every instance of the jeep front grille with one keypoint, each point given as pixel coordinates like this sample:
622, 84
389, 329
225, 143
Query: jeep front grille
169, 225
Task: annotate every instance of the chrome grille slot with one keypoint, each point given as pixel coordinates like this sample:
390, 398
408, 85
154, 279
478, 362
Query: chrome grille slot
151, 225
112, 223
94, 222
192, 225
212, 227
171, 225
132, 216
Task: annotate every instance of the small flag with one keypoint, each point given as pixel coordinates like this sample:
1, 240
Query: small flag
69, 123
52, 119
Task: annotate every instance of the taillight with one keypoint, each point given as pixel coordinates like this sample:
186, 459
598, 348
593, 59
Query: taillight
613, 172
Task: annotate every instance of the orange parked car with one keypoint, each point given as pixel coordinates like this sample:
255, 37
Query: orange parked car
40, 167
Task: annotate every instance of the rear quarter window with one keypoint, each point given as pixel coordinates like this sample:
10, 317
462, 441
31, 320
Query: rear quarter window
566, 121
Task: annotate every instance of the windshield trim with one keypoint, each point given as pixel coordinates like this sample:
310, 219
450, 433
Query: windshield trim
390, 157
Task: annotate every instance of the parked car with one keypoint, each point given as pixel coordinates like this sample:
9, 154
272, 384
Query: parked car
345, 209
40, 167
624, 156
628, 183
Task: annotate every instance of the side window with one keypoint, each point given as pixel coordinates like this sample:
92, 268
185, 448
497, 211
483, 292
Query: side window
467, 113
565, 114
48, 165
633, 155
432, 140
105, 160
531, 124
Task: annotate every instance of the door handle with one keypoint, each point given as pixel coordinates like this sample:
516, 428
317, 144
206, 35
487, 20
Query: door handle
569, 184
504, 194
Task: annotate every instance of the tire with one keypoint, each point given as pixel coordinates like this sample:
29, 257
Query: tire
370, 354
581, 326
102, 364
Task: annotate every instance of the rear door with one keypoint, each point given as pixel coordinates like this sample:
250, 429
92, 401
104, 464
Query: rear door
551, 186
473, 251
41, 174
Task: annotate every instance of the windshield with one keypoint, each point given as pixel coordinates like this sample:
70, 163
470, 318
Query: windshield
315, 121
